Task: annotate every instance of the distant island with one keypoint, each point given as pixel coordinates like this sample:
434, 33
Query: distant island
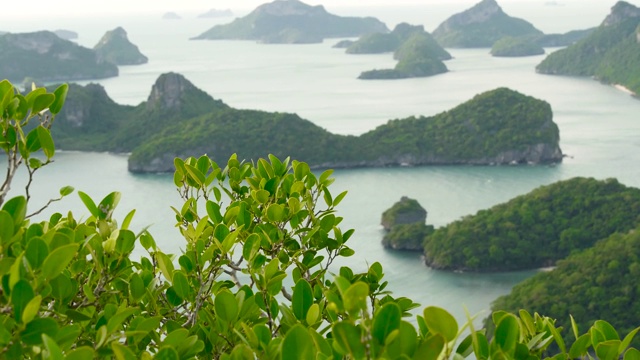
481, 26
66, 34
610, 54
116, 48
171, 16
516, 47
44, 56
417, 52
179, 120
215, 13
536, 229
404, 224
292, 22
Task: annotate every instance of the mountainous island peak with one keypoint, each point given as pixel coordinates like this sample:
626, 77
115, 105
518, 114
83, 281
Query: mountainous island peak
116, 48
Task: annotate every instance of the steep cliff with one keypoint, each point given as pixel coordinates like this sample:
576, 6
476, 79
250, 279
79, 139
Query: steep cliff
116, 48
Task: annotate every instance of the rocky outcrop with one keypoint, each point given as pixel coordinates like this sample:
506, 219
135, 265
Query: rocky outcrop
168, 92
405, 211
44, 56
621, 11
405, 227
291, 21
481, 26
116, 48
66, 34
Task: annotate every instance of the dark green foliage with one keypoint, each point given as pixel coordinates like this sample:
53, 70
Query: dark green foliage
116, 48
44, 56
536, 229
514, 47
420, 46
407, 236
611, 54
405, 211
386, 42
292, 21
481, 26
598, 283
566, 39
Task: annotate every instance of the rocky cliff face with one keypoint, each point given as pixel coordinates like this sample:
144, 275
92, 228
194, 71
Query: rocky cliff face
167, 92
405, 211
619, 12
481, 12
116, 48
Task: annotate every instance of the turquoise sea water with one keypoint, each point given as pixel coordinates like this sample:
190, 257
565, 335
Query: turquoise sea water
599, 126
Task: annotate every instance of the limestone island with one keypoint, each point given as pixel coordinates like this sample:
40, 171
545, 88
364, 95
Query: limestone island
116, 48
171, 16
292, 22
537, 229
610, 54
498, 127
481, 26
516, 47
215, 13
418, 55
404, 224
44, 56
343, 44
66, 34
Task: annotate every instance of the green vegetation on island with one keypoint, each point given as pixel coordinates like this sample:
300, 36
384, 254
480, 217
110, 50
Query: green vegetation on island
537, 229
44, 56
481, 26
66, 34
72, 289
418, 56
516, 47
292, 21
610, 54
116, 48
404, 225
598, 283
497, 127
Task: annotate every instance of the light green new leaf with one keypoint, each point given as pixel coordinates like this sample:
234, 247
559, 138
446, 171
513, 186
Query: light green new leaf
440, 321
167, 353
632, 354
226, 306
58, 260
21, 295
431, 348
122, 352
88, 202
355, 297
53, 350
116, 320
386, 320
42, 102
81, 353
507, 333
275, 212
608, 350
181, 284
165, 264
31, 310
46, 141
627, 340
580, 346
61, 95
66, 190
348, 338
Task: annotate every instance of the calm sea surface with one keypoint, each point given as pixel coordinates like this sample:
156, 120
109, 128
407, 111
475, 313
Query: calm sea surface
599, 126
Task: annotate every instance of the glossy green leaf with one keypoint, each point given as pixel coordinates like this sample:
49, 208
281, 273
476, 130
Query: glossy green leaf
386, 320
608, 350
53, 350
165, 264
507, 333
61, 95
6, 227
440, 321
58, 260
581, 346
261, 196
17, 208
430, 348
66, 190
88, 202
81, 353
116, 320
607, 330
355, 297
167, 353
632, 354
298, 344
406, 342
46, 141
628, 339
275, 212
122, 352
108, 204
42, 102
181, 284
348, 338
21, 294
36, 252
226, 306
302, 299
31, 309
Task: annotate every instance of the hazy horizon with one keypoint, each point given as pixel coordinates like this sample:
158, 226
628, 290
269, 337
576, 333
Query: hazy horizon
74, 8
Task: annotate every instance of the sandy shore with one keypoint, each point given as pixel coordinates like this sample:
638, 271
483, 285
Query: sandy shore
624, 89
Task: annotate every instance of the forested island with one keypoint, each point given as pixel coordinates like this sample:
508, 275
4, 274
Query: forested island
497, 127
598, 283
516, 47
481, 26
116, 48
405, 225
610, 54
537, 229
45, 56
292, 22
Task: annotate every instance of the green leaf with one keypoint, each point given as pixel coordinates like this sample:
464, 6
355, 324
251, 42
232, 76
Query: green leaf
226, 306
632, 354
58, 260
31, 310
348, 338
339, 198
122, 352
81, 353
17, 208
480, 346
116, 320
406, 342
507, 333
439, 321
167, 353
6, 227
556, 336
46, 141
431, 348
313, 315
302, 299
61, 95
165, 264
298, 344
36, 252
136, 287
21, 295
261, 196
53, 350
195, 174
66, 190
181, 285
580, 347
607, 330
275, 213
386, 320
608, 350
91, 206
355, 297
42, 102
108, 204
32, 334
627, 340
